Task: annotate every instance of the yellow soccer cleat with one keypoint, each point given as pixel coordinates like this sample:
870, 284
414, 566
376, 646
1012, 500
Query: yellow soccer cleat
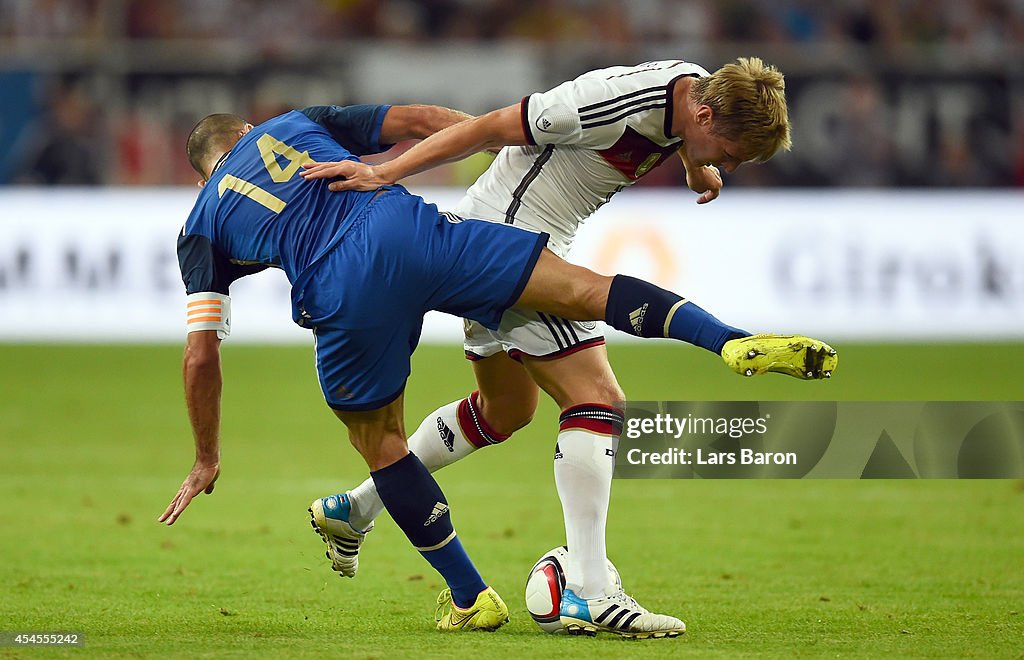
794, 355
489, 612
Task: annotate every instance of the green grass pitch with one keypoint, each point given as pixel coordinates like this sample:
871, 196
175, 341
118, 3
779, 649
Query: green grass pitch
95, 442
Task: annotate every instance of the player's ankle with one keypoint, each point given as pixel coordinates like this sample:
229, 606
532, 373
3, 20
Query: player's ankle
359, 517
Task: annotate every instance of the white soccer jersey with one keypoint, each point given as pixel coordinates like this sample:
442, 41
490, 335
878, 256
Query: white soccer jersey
590, 138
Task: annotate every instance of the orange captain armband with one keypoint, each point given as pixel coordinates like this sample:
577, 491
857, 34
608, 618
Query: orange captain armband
209, 311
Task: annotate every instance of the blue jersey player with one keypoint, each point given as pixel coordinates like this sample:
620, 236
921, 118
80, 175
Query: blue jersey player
364, 268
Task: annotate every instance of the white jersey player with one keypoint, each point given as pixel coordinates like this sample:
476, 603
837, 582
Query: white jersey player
588, 139
566, 152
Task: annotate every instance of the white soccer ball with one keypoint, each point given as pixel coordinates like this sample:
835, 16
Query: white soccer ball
545, 584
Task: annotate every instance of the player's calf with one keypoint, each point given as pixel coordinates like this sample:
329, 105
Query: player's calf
642, 309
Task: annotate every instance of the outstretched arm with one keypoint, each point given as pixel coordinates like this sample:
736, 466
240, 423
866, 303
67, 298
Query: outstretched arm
495, 129
203, 382
416, 122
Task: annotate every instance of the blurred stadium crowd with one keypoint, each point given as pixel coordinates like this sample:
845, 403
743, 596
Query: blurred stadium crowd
882, 92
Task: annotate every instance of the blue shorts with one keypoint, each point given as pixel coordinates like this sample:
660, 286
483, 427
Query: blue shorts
401, 258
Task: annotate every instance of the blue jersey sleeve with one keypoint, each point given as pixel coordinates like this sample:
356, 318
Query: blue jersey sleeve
355, 127
204, 269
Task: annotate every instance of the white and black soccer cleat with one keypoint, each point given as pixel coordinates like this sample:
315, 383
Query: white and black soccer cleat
329, 518
617, 613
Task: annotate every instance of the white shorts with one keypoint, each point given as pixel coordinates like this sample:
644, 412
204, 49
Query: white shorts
534, 334
526, 332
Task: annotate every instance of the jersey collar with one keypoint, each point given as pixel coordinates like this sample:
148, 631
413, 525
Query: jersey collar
670, 106
220, 161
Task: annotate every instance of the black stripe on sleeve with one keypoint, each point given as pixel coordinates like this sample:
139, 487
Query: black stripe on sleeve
632, 111
658, 96
624, 97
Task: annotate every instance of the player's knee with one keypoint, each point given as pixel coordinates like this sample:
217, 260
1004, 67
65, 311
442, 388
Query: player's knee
507, 415
612, 394
607, 393
378, 449
508, 421
603, 391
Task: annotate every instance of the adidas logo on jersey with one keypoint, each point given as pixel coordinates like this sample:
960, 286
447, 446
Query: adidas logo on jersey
447, 436
636, 319
440, 508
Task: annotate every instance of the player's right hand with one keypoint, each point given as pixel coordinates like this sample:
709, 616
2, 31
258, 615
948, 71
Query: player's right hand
707, 181
351, 175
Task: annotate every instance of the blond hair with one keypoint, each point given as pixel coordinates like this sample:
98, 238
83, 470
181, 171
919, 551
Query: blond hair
748, 98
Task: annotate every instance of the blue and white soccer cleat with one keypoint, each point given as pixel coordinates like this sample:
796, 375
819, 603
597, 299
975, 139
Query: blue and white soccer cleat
329, 518
617, 613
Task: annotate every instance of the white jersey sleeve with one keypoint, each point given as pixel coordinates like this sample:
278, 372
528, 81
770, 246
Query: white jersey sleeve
594, 110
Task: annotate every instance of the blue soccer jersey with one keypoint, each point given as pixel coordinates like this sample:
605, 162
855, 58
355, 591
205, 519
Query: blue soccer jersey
256, 211
364, 267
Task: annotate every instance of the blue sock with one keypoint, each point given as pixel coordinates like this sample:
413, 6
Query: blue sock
416, 503
639, 308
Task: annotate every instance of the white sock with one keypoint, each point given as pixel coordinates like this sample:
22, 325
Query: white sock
439, 441
584, 461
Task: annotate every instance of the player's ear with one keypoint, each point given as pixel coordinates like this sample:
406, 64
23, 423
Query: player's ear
201, 183
704, 115
245, 129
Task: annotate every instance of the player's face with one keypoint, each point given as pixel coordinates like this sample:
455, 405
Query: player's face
706, 148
